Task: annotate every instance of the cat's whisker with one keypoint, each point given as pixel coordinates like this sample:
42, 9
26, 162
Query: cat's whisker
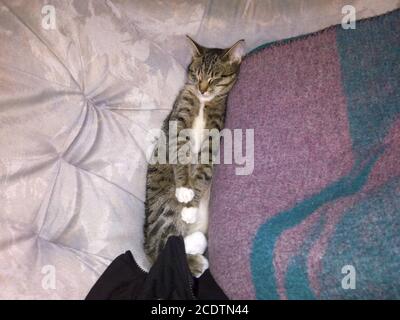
177, 194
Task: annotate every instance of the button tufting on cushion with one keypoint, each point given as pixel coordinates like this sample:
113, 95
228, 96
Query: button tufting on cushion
77, 105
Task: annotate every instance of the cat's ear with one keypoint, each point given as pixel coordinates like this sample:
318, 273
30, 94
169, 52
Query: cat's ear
235, 53
197, 49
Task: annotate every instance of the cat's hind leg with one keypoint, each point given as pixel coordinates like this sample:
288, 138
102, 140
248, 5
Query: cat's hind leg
195, 243
195, 246
197, 264
197, 217
184, 195
189, 214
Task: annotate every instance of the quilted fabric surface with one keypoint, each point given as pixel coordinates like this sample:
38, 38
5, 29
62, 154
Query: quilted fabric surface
78, 100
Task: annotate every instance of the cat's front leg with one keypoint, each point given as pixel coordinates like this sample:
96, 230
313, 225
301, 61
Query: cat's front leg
183, 192
200, 181
202, 172
189, 214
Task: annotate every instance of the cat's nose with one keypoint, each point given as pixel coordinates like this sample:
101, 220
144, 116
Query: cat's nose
203, 86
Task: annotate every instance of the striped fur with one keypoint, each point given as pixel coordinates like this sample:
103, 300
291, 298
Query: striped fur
200, 105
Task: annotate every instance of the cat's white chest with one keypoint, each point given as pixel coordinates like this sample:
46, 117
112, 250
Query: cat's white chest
198, 127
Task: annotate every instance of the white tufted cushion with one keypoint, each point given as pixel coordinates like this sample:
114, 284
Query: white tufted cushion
76, 107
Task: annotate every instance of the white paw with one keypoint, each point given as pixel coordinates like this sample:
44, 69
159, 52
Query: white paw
195, 243
189, 215
184, 195
204, 268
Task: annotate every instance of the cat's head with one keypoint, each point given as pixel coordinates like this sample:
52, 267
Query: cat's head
213, 71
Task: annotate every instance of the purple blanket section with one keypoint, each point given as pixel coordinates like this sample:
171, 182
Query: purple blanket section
301, 132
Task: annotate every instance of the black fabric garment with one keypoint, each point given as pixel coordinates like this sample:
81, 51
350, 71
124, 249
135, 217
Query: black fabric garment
169, 278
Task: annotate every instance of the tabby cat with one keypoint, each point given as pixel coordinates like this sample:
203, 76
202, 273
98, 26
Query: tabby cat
177, 195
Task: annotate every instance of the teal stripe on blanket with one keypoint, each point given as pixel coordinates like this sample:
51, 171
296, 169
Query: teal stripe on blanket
370, 66
264, 242
368, 239
367, 234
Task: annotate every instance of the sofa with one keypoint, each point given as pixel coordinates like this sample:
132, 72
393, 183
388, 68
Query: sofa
82, 85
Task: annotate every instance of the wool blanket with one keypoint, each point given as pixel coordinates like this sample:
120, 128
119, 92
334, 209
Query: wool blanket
319, 217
